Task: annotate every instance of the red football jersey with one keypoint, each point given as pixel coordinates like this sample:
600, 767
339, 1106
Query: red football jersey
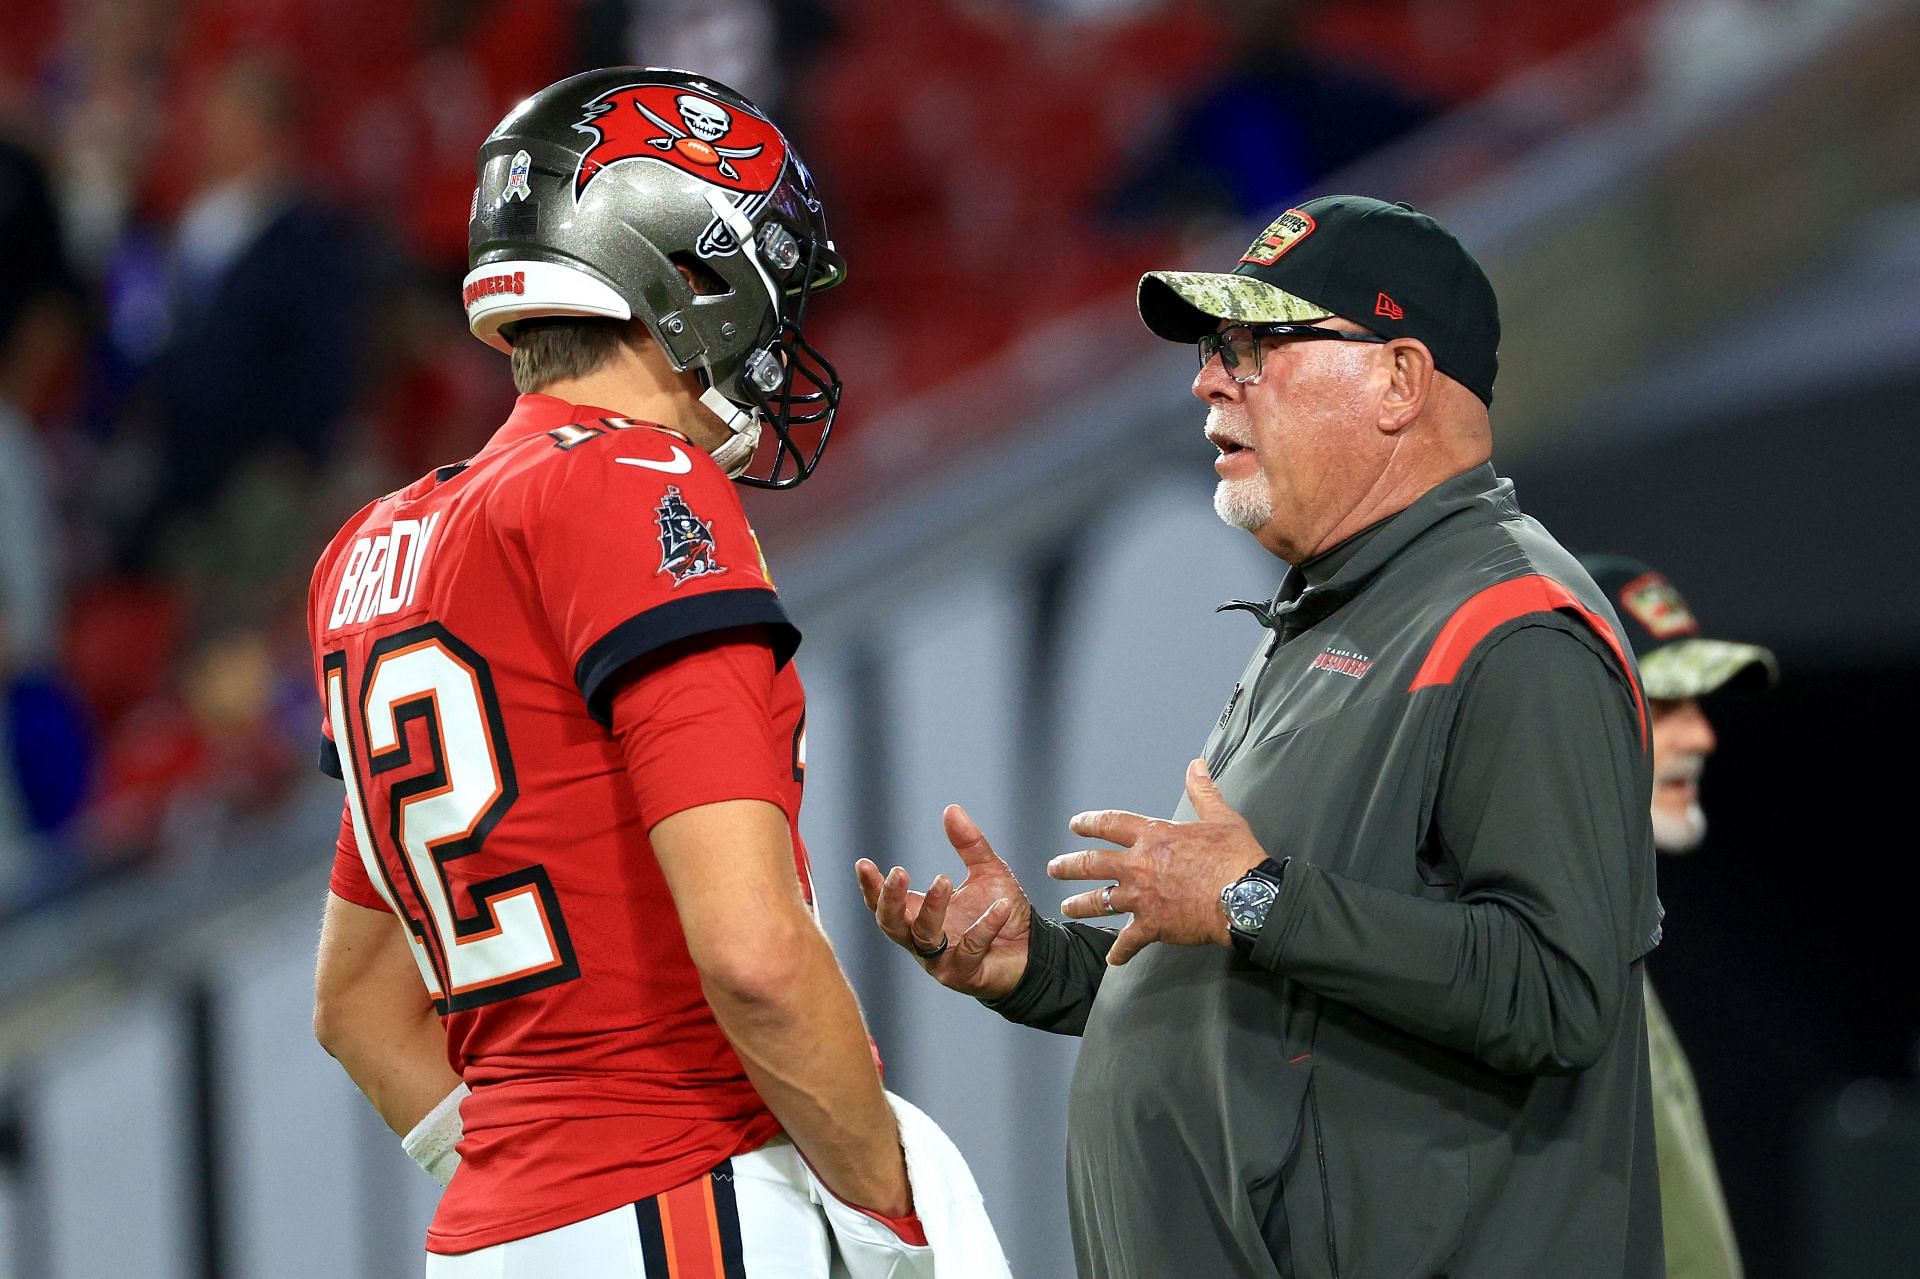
466, 632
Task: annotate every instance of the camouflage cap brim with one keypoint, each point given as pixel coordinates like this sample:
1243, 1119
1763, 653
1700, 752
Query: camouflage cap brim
1185, 306
1696, 667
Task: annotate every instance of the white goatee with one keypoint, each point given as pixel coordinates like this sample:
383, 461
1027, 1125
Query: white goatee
1244, 503
1679, 833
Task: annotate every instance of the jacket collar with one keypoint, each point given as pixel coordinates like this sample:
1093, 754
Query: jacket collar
1312, 590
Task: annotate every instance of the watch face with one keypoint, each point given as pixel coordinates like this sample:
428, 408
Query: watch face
1247, 902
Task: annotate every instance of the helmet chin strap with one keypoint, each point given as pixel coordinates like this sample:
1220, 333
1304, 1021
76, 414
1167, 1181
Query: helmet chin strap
736, 454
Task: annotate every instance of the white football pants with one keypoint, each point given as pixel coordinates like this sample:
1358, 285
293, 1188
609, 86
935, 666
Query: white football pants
754, 1217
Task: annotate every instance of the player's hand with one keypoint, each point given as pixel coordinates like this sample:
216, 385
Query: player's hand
1167, 875
983, 924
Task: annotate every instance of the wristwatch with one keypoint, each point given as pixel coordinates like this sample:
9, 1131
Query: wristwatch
1247, 900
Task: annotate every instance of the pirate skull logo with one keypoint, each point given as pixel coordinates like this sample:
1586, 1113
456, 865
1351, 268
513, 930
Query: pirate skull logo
706, 122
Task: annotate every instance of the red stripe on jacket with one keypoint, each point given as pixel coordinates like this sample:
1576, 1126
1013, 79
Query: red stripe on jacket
1501, 603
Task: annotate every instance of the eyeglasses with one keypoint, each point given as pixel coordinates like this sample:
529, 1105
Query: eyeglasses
1238, 345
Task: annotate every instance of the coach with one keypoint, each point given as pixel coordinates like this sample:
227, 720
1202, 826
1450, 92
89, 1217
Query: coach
1394, 1025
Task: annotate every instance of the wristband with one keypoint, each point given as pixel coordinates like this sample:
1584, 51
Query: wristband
434, 1140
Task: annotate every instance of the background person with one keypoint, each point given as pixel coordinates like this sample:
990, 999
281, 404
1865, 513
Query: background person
45, 751
1678, 667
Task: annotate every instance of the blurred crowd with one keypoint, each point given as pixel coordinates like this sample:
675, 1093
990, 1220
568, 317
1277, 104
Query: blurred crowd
234, 232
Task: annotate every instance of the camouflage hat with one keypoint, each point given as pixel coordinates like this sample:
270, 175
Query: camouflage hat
1676, 662
1386, 266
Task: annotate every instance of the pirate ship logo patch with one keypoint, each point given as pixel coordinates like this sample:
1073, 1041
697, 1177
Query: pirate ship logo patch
686, 540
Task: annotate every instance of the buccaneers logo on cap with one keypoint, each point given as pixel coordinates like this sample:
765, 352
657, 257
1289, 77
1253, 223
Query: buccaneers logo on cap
1656, 605
728, 146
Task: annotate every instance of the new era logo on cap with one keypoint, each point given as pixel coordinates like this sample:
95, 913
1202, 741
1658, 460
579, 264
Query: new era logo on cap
1384, 305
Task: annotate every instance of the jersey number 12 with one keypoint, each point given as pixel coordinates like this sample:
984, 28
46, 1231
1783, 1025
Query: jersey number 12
441, 809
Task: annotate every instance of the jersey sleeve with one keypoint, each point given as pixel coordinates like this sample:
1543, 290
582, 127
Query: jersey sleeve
637, 541
349, 880
696, 728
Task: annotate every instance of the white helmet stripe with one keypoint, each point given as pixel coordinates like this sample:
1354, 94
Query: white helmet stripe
502, 292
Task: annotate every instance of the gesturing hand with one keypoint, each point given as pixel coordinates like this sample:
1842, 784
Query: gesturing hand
979, 929
1167, 875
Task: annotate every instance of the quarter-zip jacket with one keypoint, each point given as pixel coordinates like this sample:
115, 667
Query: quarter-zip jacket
1435, 1061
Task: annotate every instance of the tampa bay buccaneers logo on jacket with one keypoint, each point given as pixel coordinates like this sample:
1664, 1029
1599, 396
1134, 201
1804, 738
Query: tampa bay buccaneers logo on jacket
716, 142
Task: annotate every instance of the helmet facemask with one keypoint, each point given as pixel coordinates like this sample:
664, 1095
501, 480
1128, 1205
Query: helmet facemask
786, 384
803, 403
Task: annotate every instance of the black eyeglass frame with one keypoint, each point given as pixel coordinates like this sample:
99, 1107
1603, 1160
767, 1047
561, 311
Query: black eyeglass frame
1220, 343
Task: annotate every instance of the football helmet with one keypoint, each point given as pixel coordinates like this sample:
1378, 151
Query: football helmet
594, 191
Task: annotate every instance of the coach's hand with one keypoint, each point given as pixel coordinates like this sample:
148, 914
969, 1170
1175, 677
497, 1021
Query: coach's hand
1167, 875
972, 938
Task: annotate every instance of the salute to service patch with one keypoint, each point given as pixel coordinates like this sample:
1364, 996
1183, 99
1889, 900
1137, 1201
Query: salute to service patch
1287, 230
1656, 605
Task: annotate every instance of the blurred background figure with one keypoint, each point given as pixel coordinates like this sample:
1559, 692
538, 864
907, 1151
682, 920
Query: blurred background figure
256, 367
1703, 220
43, 748
1678, 668
1273, 120
764, 47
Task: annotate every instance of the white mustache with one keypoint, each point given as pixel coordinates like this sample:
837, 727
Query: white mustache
1687, 769
1217, 428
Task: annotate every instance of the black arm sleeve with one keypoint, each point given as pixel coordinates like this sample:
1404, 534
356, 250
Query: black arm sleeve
1065, 962
1543, 809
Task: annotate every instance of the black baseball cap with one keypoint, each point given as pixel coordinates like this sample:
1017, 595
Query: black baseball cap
1676, 661
1386, 266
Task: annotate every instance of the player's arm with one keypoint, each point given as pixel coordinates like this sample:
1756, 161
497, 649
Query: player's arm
693, 725
680, 667
780, 997
373, 1015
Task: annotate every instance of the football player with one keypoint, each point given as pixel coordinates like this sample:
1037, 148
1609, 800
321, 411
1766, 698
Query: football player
570, 924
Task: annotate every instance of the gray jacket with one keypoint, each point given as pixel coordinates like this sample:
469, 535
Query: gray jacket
1435, 1061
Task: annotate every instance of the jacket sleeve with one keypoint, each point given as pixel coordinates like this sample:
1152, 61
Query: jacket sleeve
1065, 962
1542, 813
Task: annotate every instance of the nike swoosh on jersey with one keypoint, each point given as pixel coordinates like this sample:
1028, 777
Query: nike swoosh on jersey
680, 464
